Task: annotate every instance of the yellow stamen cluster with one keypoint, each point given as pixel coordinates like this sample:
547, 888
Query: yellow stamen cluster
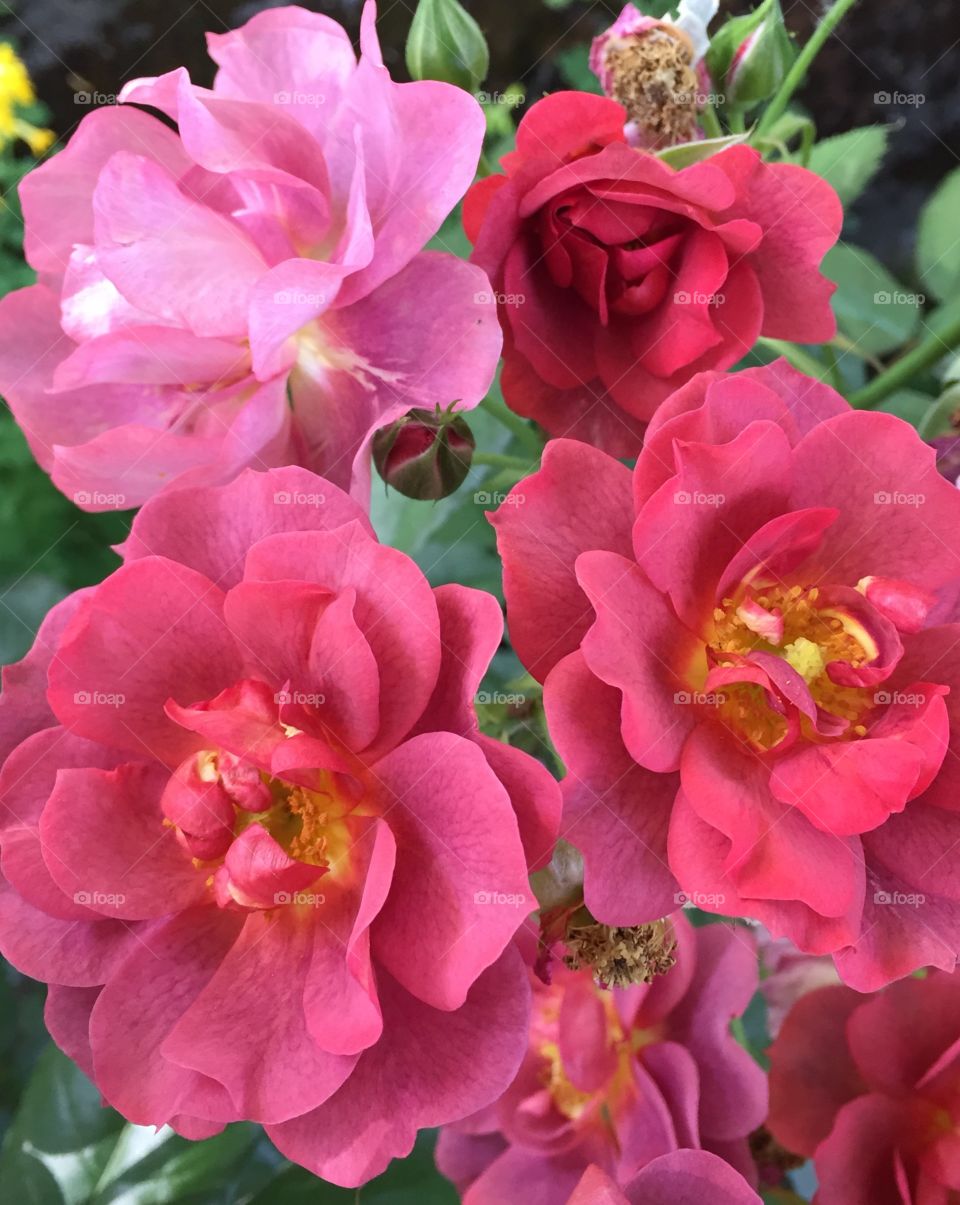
813, 636
305, 822
310, 843
745, 708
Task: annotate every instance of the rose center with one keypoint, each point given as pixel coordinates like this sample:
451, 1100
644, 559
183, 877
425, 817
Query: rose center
625, 1044
307, 824
794, 624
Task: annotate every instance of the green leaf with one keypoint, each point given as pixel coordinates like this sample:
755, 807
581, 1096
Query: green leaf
411, 1181
909, 404
850, 161
871, 306
692, 152
938, 248
941, 415
574, 67
149, 1167
65, 1148
61, 1138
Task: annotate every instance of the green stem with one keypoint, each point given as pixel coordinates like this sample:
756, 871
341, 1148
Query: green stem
907, 366
795, 76
833, 363
500, 460
737, 121
514, 423
711, 122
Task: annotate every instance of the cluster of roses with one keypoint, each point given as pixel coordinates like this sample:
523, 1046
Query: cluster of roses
252, 835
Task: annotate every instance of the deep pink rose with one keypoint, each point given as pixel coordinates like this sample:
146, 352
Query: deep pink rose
618, 1078
680, 1178
870, 1089
250, 289
619, 277
253, 839
752, 667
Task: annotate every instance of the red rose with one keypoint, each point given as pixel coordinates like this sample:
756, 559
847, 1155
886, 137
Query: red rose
618, 277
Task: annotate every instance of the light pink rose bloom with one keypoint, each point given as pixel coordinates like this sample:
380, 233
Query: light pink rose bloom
251, 289
618, 1078
253, 838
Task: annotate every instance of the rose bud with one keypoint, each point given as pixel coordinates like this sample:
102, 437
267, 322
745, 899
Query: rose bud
751, 55
654, 69
445, 43
425, 454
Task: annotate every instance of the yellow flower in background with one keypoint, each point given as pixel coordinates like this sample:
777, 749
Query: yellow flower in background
16, 91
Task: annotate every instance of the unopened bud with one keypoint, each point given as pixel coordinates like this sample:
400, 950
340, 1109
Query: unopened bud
424, 455
445, 43
751, 55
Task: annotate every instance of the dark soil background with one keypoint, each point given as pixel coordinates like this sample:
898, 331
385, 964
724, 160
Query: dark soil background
882, 46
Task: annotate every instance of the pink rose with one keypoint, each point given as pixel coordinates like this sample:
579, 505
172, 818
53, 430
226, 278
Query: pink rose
620, 1077
250, 289
618, 277
253, 838
680, 1178
869, 1088
752, 667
